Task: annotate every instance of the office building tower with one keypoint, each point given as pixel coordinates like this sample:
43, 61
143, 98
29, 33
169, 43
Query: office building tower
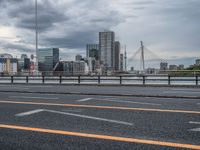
107, 47
94, 53
24, 56
47, 59
121, 62
92, 50
117, 55
24, 63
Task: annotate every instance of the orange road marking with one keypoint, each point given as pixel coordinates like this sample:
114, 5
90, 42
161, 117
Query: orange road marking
102, 107
103, 137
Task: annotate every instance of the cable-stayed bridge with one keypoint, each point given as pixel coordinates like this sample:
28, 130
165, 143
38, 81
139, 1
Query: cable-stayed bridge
145, 55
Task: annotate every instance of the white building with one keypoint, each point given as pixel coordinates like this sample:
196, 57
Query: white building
8, 66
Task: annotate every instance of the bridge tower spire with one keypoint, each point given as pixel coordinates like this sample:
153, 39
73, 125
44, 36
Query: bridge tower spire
142, 56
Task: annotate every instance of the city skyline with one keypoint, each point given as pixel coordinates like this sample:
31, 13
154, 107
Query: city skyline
170, 29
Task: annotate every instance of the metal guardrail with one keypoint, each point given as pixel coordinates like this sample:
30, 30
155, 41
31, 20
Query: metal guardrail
120, 80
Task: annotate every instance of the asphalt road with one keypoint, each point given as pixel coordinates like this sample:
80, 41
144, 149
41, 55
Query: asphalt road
44, 121
120, 90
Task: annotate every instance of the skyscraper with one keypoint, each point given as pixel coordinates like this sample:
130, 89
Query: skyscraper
117, 55
47, 59
121, 62
107, 48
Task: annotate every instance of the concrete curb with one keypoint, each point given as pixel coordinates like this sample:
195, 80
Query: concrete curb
106, 94
108, 85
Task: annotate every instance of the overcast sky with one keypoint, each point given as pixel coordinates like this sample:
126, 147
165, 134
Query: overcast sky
169, 28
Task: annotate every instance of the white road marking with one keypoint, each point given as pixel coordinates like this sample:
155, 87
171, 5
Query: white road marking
130, 102
195, 130
198, 103
29, 97
85, 99
72, 114
73, 110
29, 113
193, 122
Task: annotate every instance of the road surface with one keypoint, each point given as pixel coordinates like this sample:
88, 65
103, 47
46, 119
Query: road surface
31, 118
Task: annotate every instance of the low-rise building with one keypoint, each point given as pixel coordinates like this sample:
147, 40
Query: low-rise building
163, 66
181, 67
8, 66
74, 68
173, 67
197, 62
93, 65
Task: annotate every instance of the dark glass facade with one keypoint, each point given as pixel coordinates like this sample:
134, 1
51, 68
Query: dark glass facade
90, 48
47, 59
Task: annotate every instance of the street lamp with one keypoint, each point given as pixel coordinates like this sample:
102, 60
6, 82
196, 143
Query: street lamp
36, 33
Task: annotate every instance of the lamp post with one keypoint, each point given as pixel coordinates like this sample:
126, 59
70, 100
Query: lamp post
36, 34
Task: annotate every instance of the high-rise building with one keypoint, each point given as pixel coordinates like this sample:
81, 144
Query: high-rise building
24, 62
117, 55
121, 62
94, 53
47, 59
107, 48
24, 56
91, 50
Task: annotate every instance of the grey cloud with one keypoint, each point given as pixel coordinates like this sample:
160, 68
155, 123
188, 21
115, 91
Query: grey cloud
84, 19
20, 48
47, 15
76, 40
166, 25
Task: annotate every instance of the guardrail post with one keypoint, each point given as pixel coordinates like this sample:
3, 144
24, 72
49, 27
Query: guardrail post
79, 79
27, 79
197, 82
60, 79
120, 80
169, 80
99, 79
143, 79
12, 79
43, 79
